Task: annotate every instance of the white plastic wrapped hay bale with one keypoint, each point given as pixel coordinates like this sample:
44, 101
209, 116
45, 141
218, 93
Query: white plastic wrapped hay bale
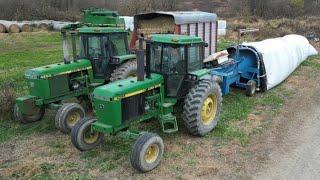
128, 21
281, 56
11, 26
222, 27
3, 28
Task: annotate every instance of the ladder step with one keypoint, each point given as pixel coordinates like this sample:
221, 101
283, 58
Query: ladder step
169, 123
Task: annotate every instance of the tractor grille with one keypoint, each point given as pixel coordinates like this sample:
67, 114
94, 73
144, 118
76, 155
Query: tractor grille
132, 107
59, 85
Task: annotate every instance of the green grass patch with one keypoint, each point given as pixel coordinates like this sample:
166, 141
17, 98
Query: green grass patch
20, 52
236, 108
313, 61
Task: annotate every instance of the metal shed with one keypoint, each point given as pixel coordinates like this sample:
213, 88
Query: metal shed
197, 23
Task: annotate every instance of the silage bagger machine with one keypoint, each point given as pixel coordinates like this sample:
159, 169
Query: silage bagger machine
244, 68
104, 56
174, 73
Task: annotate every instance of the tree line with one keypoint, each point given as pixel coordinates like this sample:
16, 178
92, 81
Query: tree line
70, 9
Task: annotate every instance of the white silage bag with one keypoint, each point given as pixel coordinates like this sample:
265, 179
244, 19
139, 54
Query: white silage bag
281, 56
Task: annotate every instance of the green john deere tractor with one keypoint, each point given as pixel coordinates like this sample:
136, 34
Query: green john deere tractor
104, 56
174, 73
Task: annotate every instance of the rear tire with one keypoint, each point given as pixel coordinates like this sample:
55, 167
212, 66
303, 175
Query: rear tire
202, 107
23, 118
83, 138
68, 115
125, 70
251, 88
147, 152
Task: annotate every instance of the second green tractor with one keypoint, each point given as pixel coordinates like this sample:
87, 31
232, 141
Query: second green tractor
174, 73
102, 56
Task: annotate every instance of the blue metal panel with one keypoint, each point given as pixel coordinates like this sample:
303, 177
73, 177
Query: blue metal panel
244, 64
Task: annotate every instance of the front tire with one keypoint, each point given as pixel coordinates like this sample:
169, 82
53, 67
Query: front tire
83, 137
147, 152
68, 115
202, 107
125, 70
24, 118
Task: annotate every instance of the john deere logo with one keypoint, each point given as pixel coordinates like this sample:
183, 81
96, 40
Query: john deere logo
101, 106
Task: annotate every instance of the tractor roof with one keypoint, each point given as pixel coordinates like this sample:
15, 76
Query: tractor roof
101, 30
175, 39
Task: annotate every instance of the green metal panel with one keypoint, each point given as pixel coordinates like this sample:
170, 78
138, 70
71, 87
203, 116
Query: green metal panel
58, 68
175, 39
98, 17
101, 30
122, 88
108, 112
125, 58
200, 73
39, 88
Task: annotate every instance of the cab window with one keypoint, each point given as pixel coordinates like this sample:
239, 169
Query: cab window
195, 58
173, 60
91, 47
118, 44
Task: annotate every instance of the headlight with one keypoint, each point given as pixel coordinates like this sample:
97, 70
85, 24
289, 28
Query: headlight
192, 77
115, 60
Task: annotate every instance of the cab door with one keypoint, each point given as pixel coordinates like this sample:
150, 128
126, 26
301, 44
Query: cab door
93, 49
174, 69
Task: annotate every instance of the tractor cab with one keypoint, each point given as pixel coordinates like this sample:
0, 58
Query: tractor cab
178, 58
105, 47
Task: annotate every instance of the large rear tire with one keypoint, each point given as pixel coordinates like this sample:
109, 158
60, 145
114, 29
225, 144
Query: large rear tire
83, 137
125, 70
24, 118
68, 115
147, 152
202, 107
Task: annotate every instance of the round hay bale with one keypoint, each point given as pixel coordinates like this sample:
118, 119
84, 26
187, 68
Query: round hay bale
43, 26
2, 28
26, 28
14, 28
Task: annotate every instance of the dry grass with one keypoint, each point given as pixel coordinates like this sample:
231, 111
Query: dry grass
7, 99
276, 27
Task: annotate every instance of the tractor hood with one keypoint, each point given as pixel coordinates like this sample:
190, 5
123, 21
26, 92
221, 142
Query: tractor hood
126, 88
57, 69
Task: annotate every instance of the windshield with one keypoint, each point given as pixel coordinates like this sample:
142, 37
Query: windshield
172, 61
91, 47
195, 57
96, 46
119, 44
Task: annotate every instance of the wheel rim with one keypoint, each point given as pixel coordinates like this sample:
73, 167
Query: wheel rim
209, 109
152, 153
73, 118
90, 137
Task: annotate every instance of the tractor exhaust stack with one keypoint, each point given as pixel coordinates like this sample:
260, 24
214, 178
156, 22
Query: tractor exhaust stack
140, 61
65, 48
74, 46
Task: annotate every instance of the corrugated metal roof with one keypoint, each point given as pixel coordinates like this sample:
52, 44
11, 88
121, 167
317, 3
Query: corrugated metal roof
186, 17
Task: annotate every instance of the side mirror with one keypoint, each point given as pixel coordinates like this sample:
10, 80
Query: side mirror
206, 45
